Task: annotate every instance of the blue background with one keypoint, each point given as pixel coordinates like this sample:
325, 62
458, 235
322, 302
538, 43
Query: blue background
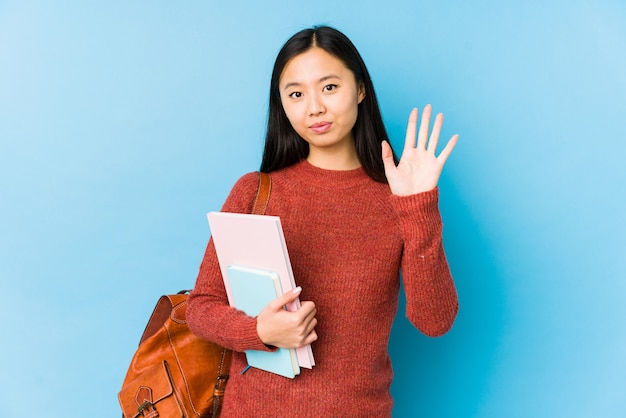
123, 123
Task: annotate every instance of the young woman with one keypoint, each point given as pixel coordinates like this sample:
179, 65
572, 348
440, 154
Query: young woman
353, 217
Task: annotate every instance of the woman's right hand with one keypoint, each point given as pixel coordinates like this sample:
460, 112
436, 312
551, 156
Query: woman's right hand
284, 329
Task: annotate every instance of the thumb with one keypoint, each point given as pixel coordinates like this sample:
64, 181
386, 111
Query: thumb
387, 155
285, 298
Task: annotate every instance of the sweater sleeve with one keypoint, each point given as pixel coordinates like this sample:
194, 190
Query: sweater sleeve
432, 302
208, 313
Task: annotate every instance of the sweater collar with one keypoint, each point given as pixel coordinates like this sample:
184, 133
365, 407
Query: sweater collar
329, 179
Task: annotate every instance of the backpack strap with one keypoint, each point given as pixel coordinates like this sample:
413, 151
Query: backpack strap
260, 205
263, 194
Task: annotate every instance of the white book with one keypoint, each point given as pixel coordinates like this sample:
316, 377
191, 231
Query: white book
255, 241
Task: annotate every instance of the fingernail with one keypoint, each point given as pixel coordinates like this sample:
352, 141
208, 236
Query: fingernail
297, 290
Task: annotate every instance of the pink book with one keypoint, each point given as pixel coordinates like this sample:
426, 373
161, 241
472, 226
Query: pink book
255, 241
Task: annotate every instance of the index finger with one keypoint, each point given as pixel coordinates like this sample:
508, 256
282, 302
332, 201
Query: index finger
411, 130
307, 309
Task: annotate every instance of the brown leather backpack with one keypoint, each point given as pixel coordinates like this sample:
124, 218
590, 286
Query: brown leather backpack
174, 373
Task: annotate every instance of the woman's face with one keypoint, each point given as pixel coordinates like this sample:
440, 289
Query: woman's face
320, 97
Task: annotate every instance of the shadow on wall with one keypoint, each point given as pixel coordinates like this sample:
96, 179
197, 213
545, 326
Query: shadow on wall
456, 367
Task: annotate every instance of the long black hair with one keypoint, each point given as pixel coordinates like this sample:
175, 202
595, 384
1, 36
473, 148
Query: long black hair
283, 146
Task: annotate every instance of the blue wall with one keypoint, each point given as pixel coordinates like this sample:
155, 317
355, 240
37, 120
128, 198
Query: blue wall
123, 123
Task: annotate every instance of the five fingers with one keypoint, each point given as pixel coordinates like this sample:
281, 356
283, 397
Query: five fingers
423, 140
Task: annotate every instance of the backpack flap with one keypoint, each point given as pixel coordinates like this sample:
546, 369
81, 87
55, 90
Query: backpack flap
150, 394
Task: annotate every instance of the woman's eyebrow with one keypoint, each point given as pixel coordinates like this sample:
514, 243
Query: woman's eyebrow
328, 77
321, 80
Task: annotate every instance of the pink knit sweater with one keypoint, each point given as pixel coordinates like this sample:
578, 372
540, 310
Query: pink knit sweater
348, 238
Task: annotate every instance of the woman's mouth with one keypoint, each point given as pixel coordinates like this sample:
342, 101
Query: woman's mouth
321, 127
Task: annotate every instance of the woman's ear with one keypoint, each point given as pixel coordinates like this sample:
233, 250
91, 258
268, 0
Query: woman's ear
361, 93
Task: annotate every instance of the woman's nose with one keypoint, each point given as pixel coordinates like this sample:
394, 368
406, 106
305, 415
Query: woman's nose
316, 106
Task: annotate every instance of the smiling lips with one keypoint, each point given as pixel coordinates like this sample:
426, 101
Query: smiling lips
321, 127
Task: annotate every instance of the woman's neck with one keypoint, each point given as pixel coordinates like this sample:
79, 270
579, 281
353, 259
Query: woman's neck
334, 159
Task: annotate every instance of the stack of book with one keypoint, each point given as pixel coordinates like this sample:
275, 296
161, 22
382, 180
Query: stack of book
255, 265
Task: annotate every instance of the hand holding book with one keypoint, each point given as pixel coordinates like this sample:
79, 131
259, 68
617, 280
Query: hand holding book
284, 329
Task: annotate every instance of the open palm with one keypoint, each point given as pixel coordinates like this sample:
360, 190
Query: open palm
419, 168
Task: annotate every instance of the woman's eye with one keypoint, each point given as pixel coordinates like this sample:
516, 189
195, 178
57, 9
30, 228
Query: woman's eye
330, 87
295, 95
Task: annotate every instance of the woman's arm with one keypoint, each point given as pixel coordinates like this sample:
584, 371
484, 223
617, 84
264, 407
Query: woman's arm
432, 301
208, 313
431, 297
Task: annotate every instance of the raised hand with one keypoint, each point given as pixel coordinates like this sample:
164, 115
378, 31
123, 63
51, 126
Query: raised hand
419, 168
